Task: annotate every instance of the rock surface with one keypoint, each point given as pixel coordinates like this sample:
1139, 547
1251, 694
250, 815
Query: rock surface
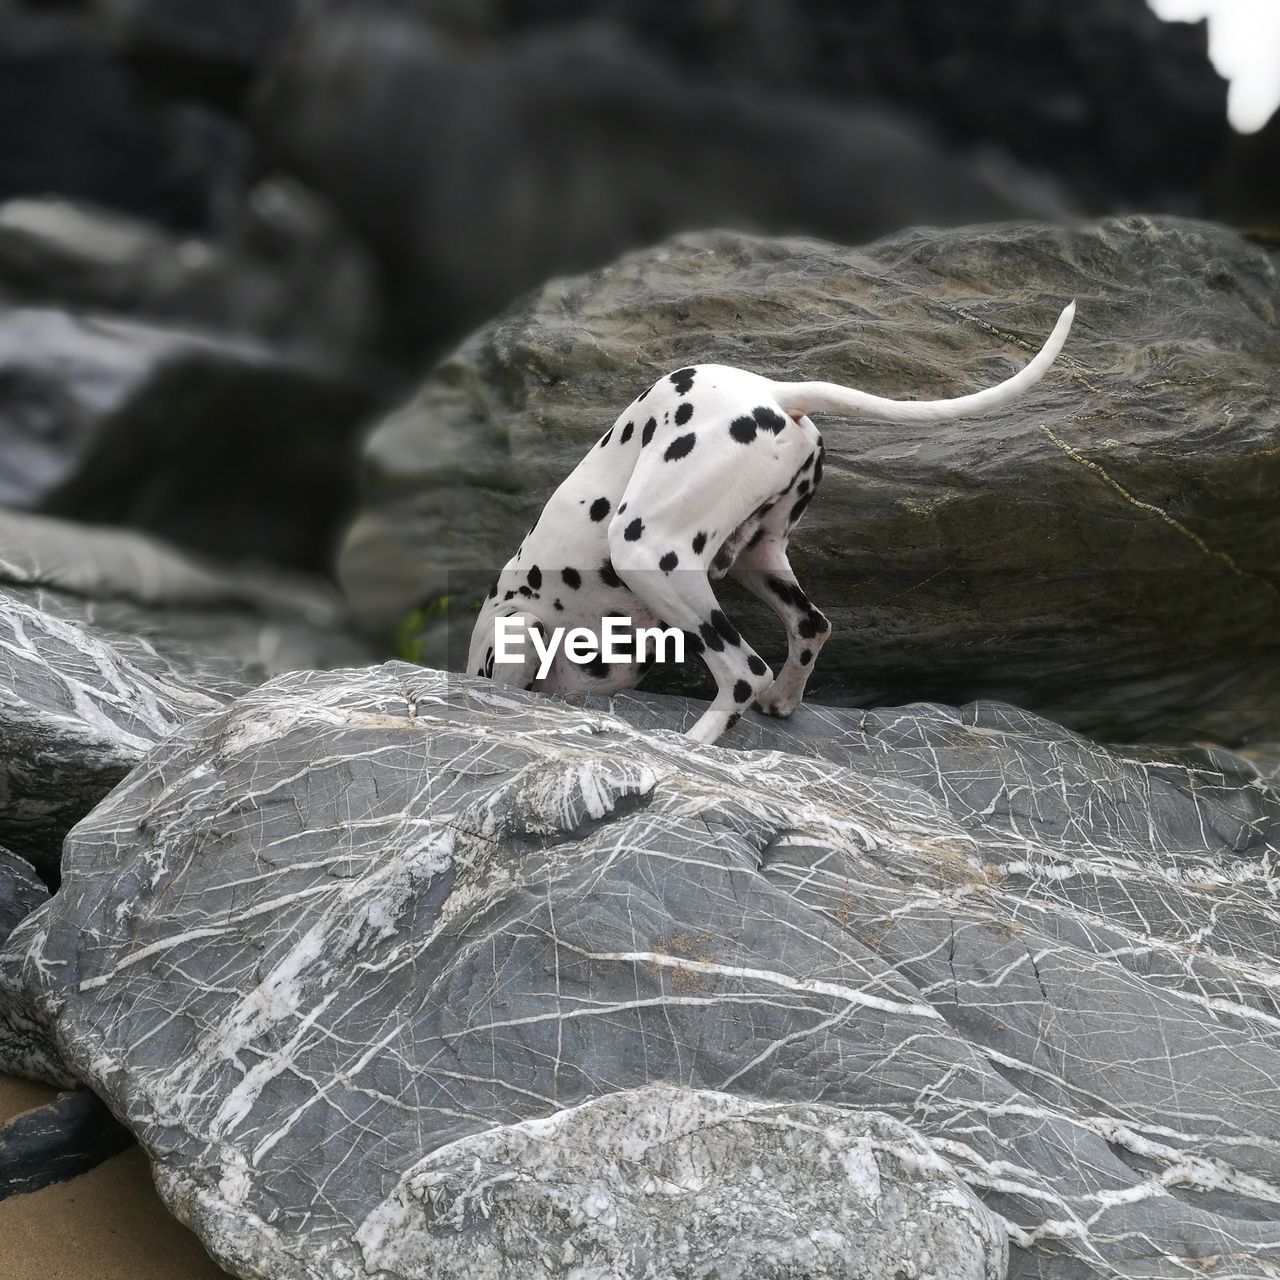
646, 1180
63, 1139
118, 422
1103, 551
353, 918
21, 891
109, 641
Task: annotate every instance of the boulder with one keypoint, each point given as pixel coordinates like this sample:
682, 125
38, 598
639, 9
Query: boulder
477, 174
108, 642
115, 422
1102, 551
60, 1140
368, 955
1123, 108
71, 254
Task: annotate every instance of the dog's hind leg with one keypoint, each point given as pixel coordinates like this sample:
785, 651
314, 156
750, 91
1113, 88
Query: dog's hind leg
765, 571
683, 598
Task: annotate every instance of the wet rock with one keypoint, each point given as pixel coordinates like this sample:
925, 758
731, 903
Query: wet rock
61, 1140
339, 948
477, 176
114, 422
108, 642
1103, 551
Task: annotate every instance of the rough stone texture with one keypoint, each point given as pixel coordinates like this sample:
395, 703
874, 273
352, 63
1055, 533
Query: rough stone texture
61, 1140
117, 422
477, 174
707, 1183
1103, 551
109, 641
78, 256
21, 891
323, 933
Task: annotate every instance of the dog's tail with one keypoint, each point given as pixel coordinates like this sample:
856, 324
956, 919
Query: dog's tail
819, 397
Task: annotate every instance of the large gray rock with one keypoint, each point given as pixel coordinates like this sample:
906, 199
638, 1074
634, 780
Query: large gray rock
321, 935
108, 642
1103, 551
120, 422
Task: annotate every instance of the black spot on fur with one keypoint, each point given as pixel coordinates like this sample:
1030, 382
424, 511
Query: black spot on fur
508, 596
609, 575
755, 537
743, 430
798, 510
806, 657
809, 461
763, 510
693, 644
644, 393
684, 413
802, 488
813, 624
783, 590
493, 591
597, 667
535, 577
699, 541
769, 419
742, 691
682, 380
817, 469
571, 578
681, 447
557, 606
756, 663
723, 559
627, 430
606, 437
726, 628
711, 637
600, 509
622, 509
524, 591
649, 428
733, 719
634, 530
668, 562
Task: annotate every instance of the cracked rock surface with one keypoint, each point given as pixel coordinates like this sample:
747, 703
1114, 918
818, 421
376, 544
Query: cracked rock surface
108, 641
1103, 551
331, 948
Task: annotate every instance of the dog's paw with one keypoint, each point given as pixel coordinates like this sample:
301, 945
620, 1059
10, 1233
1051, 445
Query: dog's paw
780, 707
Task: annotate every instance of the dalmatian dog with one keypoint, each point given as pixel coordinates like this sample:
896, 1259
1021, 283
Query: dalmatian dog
703, 475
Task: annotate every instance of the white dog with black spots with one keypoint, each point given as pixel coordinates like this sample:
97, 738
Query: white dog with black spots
704, 474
